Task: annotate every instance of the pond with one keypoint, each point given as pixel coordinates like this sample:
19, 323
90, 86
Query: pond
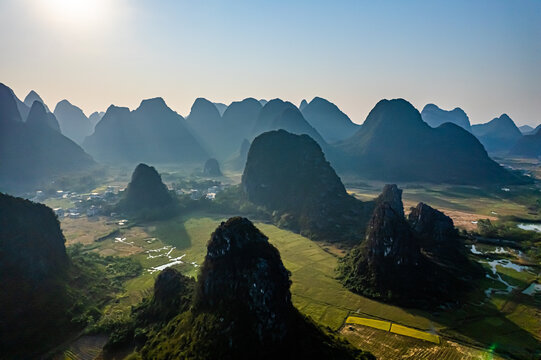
530, 227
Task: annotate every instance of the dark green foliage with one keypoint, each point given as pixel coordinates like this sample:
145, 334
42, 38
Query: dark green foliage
146, 196
242, 308
33, 273
172, 295
395, 144
289, 175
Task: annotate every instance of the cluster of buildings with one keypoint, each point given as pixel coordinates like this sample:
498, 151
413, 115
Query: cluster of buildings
207, 193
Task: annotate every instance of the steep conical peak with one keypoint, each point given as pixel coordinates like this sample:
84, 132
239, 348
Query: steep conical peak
233, 235
392, 195
394, 113
303, 104
204, 106
37, 114
156, 103
8, 106
33, 96
212, 168
145, 191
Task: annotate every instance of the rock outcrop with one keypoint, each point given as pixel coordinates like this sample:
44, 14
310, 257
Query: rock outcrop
419, 263
242, 308
289, 175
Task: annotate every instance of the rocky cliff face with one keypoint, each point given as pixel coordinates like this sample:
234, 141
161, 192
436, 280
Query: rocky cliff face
420, 262
436, 232
289, 175
242, 307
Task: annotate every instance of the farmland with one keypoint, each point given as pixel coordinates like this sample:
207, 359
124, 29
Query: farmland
315, 290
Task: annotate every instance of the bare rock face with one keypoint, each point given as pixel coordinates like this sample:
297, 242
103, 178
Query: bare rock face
436, 231
243, 271
242, 308
418, 262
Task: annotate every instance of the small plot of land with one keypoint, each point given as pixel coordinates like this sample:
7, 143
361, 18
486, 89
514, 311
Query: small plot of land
86, 230
388, 346
394, 328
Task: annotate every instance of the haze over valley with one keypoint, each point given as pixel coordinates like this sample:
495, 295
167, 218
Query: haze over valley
279, 180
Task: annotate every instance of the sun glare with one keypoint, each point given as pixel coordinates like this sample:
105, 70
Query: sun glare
76, 11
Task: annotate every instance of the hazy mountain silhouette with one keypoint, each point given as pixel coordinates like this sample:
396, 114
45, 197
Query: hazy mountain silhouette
526, 129
289, 175
329, 120
205, 121
39, 117
33, 96
303, 104
151, 133
498, 135
528, 146
221, 107
434, 116
95, 118
238, 121
394, 143
33, 152
242, 308
278, 114
212, 168
73, 122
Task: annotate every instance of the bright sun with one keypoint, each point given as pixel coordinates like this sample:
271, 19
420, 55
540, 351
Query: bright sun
76, 11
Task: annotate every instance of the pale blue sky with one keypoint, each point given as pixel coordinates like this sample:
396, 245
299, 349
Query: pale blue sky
484, 56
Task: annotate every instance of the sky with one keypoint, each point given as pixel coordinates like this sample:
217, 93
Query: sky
482, 56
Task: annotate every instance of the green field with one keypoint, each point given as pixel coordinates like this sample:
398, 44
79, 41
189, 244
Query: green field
503, 320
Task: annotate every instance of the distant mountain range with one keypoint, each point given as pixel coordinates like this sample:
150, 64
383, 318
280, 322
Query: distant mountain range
33, 151
152, 133
434, 116
498, 135
395, 143
73, 122
328, 120
526, 129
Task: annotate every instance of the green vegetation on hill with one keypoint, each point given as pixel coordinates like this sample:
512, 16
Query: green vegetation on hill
242, 308
146, 196
289, 176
